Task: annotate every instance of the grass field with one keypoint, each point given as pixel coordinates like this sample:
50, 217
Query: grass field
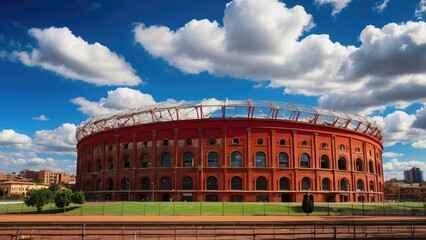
221, 208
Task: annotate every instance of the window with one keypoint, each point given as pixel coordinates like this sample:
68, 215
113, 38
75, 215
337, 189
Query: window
212, 198
145, 183
99, 164
325, 163
212, 183
342, 147
187, 159
282, 142
235, 141
371, 186
259, 141
165, 183
344, 185
360, 185
125, 184
99, 185
324, 145
126, 145
283, 159
284, 183
304, 143
146, 161
261, 183
188, 142
110, 184
212, 159
110, 163
371, 166
342, 163
325, 184
145, 143
212, 141
306, 183
165, 142
358, 164
236, 183
304, 160
357, 149
237, 198
187, 183
165, 160
236, 159
110, 148
126, 161
260, 159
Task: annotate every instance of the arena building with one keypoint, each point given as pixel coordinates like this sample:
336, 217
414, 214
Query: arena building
230, 150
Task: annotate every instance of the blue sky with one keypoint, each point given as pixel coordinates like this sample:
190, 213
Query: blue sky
62, 62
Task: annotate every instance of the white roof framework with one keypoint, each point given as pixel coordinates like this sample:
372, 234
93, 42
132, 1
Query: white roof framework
212, 108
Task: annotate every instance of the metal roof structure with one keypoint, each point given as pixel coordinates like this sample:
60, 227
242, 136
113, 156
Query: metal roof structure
225, 109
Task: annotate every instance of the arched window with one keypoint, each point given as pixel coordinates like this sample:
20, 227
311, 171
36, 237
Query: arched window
236, 159
344, 185
212, 159
236, 183
360, 185
371, 166
165, 183
283, 159
165, 160
125, 183
235, 141
357, 149
342, 147
110, 163
304, 160
165, 142
145, 161
212, 183
260, 159
212, 141
110, 184
342, 163
284, 183
99, 185
306, 183
261, 183
358, 164
304, 143
371, 186
325, 162
260, 141
325, 184
188, 142
282, 142
98, 165
145, 183
88, 167
126, 161
187, 183
188, 159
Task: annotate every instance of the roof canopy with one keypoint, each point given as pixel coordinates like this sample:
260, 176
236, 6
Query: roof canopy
241, 109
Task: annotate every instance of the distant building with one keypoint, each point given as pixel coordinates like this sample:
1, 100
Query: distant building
28, 173
49, 177
414, 175
15, 188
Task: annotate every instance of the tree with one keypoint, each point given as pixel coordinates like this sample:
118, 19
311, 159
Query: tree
307, 204
78, 197
63, 198
54, 187
38, 198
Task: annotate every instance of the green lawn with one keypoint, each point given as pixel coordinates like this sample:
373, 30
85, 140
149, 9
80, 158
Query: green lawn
220, 208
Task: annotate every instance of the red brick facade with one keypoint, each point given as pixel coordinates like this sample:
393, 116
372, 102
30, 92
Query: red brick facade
198, 160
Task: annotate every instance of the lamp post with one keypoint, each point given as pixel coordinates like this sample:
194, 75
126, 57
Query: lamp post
99, 192
153, 187
128, 188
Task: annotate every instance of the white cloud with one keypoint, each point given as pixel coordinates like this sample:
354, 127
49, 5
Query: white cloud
380, 7
419, 144
62, 52
41, 118
266, 41
395, 169
118, 99
421, 9
61, 140
337, 5
397, 127
392, 154
10, 138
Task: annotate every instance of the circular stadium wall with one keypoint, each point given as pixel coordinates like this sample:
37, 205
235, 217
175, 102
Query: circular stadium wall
230, 151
